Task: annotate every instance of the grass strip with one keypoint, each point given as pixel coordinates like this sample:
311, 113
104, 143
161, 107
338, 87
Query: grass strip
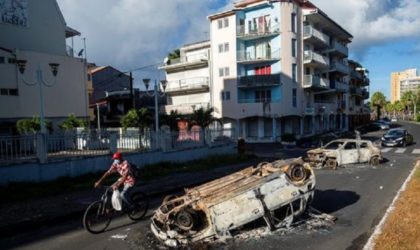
402, 228
28, 190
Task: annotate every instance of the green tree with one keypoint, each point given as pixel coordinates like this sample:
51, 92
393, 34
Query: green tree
407, 100
174, 54
378, 101
136, 119
171, 120
203, 117
33, 125
72, 122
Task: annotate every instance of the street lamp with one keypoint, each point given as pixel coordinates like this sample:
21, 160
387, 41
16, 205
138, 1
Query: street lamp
40, 81
156, 94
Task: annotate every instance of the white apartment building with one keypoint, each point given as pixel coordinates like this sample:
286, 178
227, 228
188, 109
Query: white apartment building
410, 83
285, 69
188, 79
358, 114
36, 31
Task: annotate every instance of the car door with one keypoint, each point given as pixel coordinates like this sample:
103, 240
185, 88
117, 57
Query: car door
349, 153
364, 152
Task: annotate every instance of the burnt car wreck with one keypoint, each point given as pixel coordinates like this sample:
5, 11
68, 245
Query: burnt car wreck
277, 192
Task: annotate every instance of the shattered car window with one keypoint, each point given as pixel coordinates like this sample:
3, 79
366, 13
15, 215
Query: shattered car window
333, 145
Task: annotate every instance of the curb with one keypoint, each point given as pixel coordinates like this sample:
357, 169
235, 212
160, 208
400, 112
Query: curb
370, 244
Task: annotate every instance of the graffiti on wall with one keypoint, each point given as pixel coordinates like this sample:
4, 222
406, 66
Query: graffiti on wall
14, 12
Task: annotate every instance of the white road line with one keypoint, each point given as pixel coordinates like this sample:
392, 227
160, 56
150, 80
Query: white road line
400, 150
416, 151
384, 150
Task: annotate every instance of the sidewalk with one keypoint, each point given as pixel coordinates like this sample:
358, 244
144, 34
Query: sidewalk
26, 215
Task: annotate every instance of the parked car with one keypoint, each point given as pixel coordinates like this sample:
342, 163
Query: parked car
370, 127
276, 191
345, 151
397, 137
394, 119
384, 125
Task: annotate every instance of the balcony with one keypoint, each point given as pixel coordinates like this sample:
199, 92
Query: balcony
259, 81
341, 106
356, 91
259, 100
309, 111
356, 74
187, 108
315, 59
315, 36
257, 33
256, 56
339, 67
189, 85
339, 86
365, 94
187, 62
69, 51
365, 81
339, 49
315, 82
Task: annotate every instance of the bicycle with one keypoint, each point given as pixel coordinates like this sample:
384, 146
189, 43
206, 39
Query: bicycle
98, 214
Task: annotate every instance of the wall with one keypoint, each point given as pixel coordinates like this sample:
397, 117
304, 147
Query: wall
68, 95
34, 172
45, 30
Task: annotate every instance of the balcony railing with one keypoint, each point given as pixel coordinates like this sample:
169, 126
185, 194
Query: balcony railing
356, 74
246, 56
259, 80
339, 86
356, 91
258, 32
69, 51
312, 81
311, 32
340, 67
186, 108
259, 100
365, 94
189, 84
194, 58
338, 47
314, 57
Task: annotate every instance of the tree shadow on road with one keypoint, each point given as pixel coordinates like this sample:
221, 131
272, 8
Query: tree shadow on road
332, 200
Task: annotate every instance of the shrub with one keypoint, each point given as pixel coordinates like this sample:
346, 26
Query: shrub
418, 118
72, 122
33, 125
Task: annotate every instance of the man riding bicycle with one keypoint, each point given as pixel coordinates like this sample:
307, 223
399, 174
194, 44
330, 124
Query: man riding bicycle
127, 179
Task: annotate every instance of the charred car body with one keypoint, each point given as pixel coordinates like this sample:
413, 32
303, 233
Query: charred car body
345, 151
276, 192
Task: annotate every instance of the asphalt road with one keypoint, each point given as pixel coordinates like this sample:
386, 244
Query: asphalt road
357, 195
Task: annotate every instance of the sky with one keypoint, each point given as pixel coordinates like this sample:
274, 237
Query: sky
129, 34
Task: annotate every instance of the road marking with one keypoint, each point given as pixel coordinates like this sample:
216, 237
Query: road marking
384, 150
416, 151
400, 150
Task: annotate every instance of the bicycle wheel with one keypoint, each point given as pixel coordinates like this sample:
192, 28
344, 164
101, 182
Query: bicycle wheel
97, 218
141, 202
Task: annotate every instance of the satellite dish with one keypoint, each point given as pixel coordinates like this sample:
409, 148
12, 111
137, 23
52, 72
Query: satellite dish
80, 52
166, 60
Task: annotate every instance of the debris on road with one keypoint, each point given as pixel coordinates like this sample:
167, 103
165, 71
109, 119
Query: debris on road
275, 193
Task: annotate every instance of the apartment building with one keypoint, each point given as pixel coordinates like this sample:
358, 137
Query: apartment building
189, 79
409, 77
359, 92
35, 31
285, 69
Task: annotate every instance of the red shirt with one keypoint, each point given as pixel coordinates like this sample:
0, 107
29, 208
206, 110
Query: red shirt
123, 168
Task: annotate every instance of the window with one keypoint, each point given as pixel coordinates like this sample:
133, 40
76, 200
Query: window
294, 47
223, 47
364, 145
293, 22
12, 60
220, 48
226, 22
333, 145
308, 71
2, 60
220, 23
89, 77
4, 92
227, 95
222, 95
263, 70
226, 47
224, 71
263, 95
294, 72
13, 92
350, 146
294, 99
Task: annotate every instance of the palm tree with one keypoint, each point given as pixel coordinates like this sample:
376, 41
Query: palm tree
203, 117
378, 100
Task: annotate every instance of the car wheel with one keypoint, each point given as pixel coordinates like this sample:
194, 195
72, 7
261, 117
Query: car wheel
374, 161
331, 163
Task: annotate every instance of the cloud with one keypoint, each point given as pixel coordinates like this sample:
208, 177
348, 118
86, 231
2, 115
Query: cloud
375, 22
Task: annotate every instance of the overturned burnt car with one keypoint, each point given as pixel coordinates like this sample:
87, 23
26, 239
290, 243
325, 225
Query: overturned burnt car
276, 191
344, 151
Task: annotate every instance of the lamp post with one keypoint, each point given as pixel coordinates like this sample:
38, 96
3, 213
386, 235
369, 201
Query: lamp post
40, 82
156, 94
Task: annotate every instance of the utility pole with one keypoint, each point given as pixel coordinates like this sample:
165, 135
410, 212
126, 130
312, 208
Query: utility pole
133, 101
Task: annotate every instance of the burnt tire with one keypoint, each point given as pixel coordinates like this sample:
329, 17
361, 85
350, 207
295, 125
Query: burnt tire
186, 219
331, 163
297, 173
374, 161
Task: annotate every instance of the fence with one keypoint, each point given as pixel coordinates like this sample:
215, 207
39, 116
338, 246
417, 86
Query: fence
23, 148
